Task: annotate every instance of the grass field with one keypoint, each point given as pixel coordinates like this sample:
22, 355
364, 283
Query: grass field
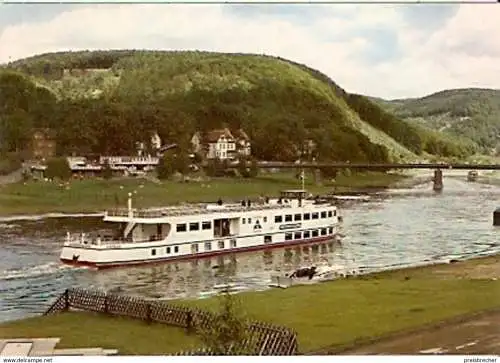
344, 311
324, 315
96, 195
88, 330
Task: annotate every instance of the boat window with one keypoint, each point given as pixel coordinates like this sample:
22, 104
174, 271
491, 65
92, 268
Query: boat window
168, 249
315, 233
307, 234
176, 249
265, 219
323, 214
233, 243
298, 235
297, 217
208, 246
195, 226
194, 248
307, 216
315, 215
153, 252
330, 214
288, 236
268, 239
221, 245
330, 230
181, 227
278, 219
323, 231
249, 220
206, 225
242, 220
288, 218
334, 213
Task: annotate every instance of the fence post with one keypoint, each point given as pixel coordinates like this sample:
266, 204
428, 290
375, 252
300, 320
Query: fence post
66, 299
106, 303
148, 312
189, 322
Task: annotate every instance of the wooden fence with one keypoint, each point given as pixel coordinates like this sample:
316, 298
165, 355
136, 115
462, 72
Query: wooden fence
263, 338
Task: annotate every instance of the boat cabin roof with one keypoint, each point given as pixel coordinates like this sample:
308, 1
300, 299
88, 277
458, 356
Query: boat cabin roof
294, 193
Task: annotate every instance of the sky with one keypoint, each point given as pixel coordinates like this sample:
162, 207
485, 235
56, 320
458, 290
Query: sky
388, 51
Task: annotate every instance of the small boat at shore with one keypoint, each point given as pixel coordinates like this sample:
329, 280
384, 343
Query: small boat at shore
312, 274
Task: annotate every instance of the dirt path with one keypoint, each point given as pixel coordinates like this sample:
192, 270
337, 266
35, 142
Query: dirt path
479, 334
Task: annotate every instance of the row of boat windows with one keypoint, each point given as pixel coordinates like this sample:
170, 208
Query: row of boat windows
194, 226
305, 216
308, 234
168, 250
195, 247
207, 246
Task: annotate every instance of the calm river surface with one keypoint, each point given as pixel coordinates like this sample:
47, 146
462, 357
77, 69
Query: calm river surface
391, 229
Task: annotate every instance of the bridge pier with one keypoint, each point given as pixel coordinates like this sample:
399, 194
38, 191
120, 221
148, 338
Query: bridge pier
317, 176
438, 180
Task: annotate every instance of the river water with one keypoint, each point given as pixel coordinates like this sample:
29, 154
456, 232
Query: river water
391, 229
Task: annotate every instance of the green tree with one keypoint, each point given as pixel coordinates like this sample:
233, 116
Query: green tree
215, 168
165, 168
181, 161
247, 167
107, 172
58, 168
228, 334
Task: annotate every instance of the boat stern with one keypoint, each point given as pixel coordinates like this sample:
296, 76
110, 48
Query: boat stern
79, 252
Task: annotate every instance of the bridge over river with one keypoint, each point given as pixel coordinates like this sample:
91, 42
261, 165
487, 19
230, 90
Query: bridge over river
437, 167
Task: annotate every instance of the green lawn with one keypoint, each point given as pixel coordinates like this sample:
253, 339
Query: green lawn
88, 330
324, 315
97, 195
344, 311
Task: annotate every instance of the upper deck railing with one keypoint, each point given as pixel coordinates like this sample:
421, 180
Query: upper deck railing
187, 210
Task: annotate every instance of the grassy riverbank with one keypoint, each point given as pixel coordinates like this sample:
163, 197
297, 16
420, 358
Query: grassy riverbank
324, 315
341, 312
88, 330
96, 195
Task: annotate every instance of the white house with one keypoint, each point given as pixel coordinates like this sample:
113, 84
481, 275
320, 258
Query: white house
243, 145
222, 144
155, 143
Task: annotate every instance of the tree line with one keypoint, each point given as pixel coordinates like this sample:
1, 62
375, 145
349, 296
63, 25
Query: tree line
179, 93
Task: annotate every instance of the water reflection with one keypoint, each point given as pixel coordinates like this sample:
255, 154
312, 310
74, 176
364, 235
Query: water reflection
197, 278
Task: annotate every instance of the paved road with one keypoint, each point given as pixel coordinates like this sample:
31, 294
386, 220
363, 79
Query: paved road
477, 335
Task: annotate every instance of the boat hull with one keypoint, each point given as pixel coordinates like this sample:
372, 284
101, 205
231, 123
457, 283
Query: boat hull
74, 251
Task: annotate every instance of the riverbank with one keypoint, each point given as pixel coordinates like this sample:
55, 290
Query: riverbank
90, 196
328, 316
338, 313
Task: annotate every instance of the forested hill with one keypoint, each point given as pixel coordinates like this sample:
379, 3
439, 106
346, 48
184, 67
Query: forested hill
471, 112
105, 101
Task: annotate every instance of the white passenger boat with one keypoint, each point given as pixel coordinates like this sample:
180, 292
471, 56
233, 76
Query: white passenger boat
202, 230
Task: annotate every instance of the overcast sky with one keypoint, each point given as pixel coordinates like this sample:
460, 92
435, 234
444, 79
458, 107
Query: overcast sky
390, 51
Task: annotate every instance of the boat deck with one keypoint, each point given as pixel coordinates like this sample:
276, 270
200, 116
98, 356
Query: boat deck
193, 209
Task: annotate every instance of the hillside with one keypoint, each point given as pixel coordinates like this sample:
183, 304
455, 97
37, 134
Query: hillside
104, 101
472, 113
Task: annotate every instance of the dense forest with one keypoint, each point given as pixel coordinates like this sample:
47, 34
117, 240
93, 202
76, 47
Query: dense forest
106, 101
471, 113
